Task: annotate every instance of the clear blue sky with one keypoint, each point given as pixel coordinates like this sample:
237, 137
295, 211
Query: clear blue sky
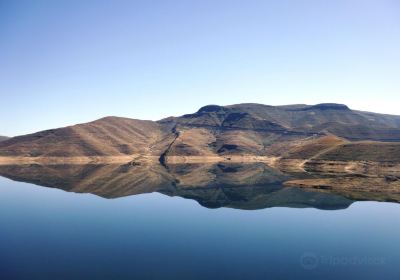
65, 62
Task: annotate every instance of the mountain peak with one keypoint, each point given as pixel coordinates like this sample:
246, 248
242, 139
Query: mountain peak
210, 109
329, 106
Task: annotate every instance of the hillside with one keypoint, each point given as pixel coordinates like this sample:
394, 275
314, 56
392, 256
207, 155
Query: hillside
368, 151
2, 138
323, 131
104, 137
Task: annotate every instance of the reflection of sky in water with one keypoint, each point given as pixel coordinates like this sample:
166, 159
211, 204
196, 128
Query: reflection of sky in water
51, 234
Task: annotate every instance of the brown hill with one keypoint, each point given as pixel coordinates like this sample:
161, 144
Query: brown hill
292, 132
295, 131
109, 136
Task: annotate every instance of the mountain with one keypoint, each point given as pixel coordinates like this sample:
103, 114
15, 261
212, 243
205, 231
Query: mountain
2, 138
337, 119
242, 132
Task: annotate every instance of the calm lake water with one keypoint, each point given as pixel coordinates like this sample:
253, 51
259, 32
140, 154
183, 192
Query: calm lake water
48, 233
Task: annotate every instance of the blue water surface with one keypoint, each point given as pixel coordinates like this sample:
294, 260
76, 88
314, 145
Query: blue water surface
51, 234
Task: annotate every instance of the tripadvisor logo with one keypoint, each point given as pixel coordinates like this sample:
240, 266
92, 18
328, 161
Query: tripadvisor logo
311, 260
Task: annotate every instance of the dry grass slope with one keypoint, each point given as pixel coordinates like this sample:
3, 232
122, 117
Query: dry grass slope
109, 136
364, 151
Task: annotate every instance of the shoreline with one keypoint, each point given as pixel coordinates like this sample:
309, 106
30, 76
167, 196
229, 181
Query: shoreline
135, 159
290, 165
75, 160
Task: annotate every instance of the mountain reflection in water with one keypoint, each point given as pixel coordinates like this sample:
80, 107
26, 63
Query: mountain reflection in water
240, 186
